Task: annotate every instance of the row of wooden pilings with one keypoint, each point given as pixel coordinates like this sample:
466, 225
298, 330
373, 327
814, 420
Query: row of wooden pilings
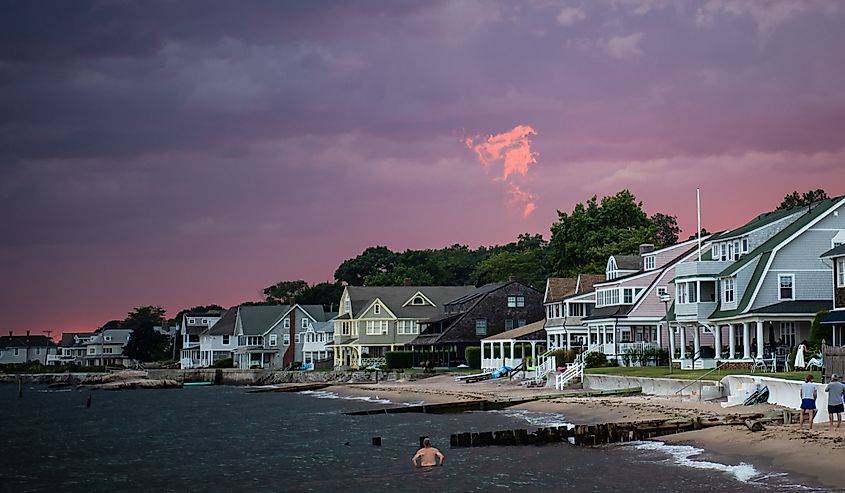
597, 434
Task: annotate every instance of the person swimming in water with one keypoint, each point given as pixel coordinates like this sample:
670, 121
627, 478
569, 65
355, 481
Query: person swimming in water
428, 456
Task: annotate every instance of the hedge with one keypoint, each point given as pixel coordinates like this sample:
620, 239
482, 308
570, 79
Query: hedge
398, 359
473, 356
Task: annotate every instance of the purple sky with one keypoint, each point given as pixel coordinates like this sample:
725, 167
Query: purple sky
183, 153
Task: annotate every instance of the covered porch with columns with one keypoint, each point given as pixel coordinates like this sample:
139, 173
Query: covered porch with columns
513, 347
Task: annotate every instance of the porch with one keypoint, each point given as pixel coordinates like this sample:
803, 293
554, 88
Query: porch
514, 347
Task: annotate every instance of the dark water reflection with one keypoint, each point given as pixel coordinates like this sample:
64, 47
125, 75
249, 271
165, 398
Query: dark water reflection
222, 439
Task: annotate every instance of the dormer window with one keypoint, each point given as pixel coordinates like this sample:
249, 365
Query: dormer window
377, 309
737, 251
745, 245
839, 239
418, 301
648, 262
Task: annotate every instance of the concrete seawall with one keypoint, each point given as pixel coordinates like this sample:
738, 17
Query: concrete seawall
704, 389
782, 392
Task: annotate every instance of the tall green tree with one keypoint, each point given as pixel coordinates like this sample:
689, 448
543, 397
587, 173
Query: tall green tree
145, 344
284, 291
667, 229
372, 261
582, 240
323, 293
794, 199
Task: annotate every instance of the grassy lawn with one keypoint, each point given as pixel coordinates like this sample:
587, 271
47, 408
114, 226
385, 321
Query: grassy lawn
663, 372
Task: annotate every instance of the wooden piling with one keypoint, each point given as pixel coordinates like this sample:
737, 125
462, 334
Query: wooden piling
376, 441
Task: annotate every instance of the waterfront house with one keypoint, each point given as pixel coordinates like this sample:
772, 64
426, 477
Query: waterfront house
261, 339
71, 348
105, 348
629, 306
514, 347
193, 325
836, 317
758, 289
26, 348
311, 330
375, 319
568, 300
219, 341
483, 312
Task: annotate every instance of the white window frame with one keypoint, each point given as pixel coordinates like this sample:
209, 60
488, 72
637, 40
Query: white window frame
478, 326
286, 323
840, 272
520, 301
296, 337
661, 290
788, 333
376, 327
511, 301
648, 262
376, 309
226, 339
273, 341
745, 245
729, 290
791, 287
286, 339
626, 294
305, 323
737, 251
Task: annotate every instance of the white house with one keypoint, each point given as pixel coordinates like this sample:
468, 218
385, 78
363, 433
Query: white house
193, 325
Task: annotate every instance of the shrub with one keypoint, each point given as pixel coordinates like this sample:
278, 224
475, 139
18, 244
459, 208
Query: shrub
399, 359
223, 363
819, 331
595, 359
473, 356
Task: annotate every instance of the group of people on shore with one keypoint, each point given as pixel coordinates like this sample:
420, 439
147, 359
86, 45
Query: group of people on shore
835, 401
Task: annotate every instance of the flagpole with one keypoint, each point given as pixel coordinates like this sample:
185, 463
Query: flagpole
698, 208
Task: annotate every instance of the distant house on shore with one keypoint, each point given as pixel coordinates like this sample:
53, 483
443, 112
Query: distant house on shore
194, 324
71, 350
261, 338
483, 312
26, 348
219, 341
105, 348
376, 319
836, 317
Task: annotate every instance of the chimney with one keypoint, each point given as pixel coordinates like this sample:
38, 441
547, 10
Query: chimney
511, 278
27, 333
408, 282
646, 248
10, 333
290, 352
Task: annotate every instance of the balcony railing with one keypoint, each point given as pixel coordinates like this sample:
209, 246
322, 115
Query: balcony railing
368, 362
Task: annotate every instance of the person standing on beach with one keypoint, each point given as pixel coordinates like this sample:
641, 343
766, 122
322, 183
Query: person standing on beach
428, 455
808, 401
835, 404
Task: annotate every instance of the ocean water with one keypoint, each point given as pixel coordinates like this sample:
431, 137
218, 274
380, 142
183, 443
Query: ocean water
223, 439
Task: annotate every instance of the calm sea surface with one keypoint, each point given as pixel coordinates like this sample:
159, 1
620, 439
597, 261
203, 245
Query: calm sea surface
223, 439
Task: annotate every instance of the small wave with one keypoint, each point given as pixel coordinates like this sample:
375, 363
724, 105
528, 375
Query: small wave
325, 394
536, 418
681, 455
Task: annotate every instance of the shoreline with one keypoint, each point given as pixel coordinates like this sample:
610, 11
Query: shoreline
813, 459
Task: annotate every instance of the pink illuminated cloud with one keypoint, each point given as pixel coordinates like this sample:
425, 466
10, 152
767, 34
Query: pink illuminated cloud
513, 150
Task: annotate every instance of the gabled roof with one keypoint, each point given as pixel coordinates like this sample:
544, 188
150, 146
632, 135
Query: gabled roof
69, 338
819, 209
226, 325
758, 222
558, 288
393, 297
25, 341
613, 311
255, 320
479, 292
317, 312
834, 252
587, 282
746, 295
628, 262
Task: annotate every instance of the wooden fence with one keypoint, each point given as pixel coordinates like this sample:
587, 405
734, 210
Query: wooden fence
833, 358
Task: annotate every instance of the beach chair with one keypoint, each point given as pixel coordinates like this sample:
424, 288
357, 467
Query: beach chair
759, 364
816, 362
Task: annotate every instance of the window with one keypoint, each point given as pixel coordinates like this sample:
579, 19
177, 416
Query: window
576, 310
508, 324
648, 262
736, 250
205, 321
377, 309
661, 291
511, 301
481, 327
692, 292
745, 245
274, 340
38, 350
376, 327
728, 290
405, 327
840, 272
286, 339
549, 312
516, 301
192, 321
520, 323
296, 338
108, 338
787, 333
305, 323
786, 286
286, 323
418, 301
557, 310
108, 350
226, 339
723, 251
627, 296
681, 293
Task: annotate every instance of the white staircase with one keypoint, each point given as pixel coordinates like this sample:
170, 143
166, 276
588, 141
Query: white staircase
576, 369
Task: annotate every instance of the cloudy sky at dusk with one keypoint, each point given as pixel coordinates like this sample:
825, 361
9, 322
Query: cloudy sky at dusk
184, 153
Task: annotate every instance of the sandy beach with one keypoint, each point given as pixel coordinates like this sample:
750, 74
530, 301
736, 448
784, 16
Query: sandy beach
817, 455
